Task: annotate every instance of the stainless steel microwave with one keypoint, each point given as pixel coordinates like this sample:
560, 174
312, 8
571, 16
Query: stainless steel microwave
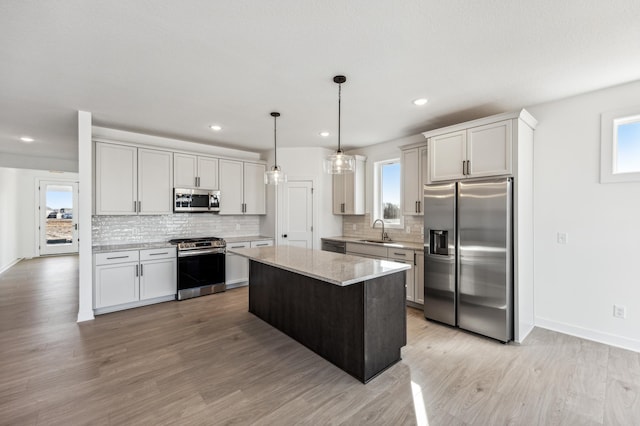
195, 200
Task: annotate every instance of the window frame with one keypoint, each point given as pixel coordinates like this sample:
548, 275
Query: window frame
608, 144
377, 194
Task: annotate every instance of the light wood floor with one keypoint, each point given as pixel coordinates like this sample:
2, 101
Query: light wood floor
208, 361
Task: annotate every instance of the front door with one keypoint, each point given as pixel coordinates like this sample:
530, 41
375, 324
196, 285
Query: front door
296, 224
58, 217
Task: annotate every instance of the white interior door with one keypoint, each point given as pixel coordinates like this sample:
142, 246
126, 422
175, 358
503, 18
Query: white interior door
58, 219
296, 223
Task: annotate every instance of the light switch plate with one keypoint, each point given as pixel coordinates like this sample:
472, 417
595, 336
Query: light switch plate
563, 238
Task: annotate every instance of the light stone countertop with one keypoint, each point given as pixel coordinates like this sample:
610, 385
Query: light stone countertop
105, 248
397, 244
249, 238
334, 268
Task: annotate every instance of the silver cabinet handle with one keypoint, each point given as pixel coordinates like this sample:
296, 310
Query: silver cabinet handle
236, 247
136, 270
399, 254
141, 269
117, 257
135, 207
419, 206
158, 254
139, 206
263, 244
468, 167
463, 167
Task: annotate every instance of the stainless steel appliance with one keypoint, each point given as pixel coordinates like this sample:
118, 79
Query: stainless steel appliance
195, 200
201, 266
334, 246
468, 256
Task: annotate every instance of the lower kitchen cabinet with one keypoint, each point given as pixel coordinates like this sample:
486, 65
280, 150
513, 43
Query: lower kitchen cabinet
128, 279
414, 276
237, 267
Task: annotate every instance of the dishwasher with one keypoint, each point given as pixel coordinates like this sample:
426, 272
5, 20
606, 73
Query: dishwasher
334, 246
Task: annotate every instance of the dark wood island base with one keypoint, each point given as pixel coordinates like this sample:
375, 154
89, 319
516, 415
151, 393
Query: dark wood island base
358, 327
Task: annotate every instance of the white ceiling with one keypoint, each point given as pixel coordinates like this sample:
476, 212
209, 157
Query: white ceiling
172, 68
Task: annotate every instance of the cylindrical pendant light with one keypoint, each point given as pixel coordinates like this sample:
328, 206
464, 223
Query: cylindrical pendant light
275, 175
339, 162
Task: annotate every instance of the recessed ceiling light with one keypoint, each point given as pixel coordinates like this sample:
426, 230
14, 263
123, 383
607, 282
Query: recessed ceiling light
215, 127
26, 139
324, 134
421, 101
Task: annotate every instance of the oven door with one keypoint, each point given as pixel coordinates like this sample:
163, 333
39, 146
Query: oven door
201, 269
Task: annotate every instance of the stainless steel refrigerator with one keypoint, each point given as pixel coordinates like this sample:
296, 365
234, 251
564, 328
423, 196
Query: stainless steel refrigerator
468, 256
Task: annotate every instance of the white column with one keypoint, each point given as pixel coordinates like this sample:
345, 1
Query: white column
85, 166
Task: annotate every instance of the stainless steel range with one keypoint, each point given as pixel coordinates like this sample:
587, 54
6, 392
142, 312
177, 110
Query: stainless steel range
201, 269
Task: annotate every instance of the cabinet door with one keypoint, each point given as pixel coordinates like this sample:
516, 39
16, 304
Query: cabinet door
419, 277
410, 181
338, 194
116, 179
155, 189
158, 278
185, 170
116, 284
231, 187
254, 188
447, 154
236, 267
489, 149
208, 172
349, 193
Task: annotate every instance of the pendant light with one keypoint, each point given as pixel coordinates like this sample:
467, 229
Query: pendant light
275, 175
339, 162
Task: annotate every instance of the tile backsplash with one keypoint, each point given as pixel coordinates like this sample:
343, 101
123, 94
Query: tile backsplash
364, 230
133, 229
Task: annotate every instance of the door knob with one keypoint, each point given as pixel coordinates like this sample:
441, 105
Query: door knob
284, 235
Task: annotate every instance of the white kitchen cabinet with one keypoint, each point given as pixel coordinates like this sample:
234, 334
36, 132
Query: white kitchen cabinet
242, 188
195, 171
414, 168
237, 267
132, 180
349, 190
475, 152
128, 279
414, 277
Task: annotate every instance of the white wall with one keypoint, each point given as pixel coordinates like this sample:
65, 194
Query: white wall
9, 235
306, 163
577, 284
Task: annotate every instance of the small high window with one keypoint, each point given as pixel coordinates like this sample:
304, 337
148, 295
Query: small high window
620, 146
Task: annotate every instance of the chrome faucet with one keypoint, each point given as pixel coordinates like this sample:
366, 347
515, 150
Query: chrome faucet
384, 235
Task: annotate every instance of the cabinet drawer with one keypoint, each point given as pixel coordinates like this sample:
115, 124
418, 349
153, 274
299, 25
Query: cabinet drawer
244, 244
117, 257
365, 249
401, 254
155, 254
261, 243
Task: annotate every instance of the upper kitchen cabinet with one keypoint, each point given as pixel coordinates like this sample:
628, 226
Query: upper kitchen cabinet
480, 150
132, 180
242, 189
349, 190
414, 174
195, 171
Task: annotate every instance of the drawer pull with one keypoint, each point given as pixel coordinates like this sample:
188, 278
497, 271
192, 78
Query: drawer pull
237, 247
158, 254
399, 254
263, 244
117, 257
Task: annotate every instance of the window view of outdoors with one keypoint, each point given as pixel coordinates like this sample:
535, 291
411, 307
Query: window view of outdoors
390, 192
628, 147
59, 202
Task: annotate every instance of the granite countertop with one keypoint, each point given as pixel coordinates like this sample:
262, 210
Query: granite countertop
249, 238
334, 268
397, 244
133, 246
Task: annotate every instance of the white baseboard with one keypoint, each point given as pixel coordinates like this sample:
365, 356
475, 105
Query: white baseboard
594, 335
85, 316
9, 265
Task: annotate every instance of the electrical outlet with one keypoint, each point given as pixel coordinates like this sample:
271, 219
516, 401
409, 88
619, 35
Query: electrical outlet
237, 226
619, 311
408, 229
563, 238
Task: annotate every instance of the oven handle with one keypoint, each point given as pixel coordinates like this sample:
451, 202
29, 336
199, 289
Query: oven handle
199, 252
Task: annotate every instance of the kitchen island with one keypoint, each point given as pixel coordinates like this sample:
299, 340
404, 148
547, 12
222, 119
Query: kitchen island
348, 309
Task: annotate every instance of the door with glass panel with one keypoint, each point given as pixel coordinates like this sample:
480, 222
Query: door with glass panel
58, 217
